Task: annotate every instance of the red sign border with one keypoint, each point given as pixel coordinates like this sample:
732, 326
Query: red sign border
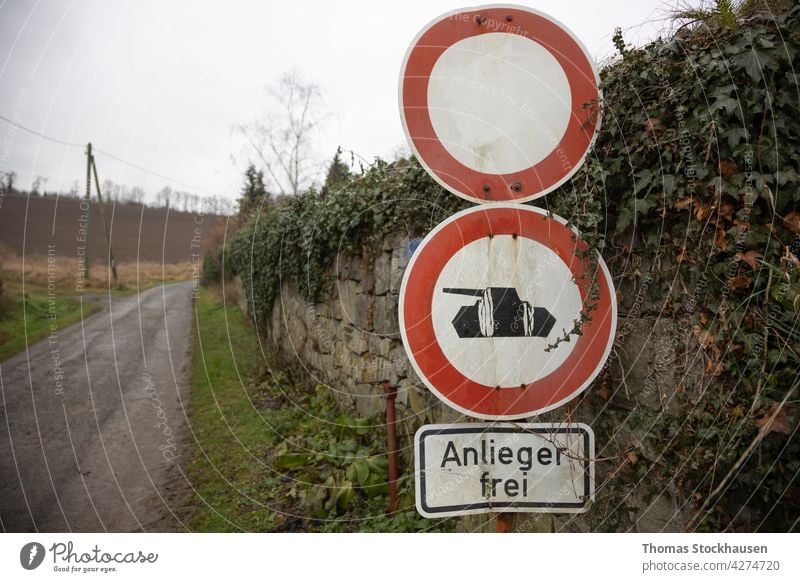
564, 160
574, 375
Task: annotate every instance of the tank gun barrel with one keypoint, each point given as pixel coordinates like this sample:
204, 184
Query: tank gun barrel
469, 292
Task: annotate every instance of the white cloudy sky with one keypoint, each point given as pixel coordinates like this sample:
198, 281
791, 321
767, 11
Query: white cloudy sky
160, 84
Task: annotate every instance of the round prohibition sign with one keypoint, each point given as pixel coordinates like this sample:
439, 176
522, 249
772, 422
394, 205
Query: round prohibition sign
485, 302
499, 103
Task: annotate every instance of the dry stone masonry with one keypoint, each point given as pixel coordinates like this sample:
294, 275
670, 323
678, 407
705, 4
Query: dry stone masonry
351, 338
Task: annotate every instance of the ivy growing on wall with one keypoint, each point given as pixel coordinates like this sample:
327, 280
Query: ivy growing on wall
693, 194
693, 187
296, 241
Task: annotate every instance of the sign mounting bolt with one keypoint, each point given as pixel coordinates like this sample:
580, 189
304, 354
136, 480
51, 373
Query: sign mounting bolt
516, 186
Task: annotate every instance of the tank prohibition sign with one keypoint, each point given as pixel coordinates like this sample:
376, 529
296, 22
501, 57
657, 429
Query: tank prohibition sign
499, 103
486, 304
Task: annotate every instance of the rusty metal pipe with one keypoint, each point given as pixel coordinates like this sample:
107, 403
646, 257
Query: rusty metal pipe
504, 523
390, 393
390, 390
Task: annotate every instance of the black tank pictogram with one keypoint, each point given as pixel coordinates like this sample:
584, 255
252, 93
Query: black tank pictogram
500, 313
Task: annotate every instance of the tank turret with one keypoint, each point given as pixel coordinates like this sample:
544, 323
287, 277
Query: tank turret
499, 312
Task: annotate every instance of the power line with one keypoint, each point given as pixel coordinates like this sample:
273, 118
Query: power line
107, 154
36, 133
151, 172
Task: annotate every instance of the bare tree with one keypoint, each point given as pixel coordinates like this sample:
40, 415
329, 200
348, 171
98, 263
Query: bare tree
209, 205
137, 195
227, 207
121, 194
9, 178
163, 197
107, 188
74, 189
39, 182
282, 138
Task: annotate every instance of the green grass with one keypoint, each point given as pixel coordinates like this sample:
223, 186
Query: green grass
32, 317
228, 430
275, 455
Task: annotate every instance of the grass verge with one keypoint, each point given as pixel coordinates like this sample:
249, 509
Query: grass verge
28, 322
274, 455
49, 295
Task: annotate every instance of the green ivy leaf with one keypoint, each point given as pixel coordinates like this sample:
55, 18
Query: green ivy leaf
755, 63
734, 135
729, 104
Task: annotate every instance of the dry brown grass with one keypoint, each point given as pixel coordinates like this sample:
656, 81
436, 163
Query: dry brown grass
63, 273
229, 294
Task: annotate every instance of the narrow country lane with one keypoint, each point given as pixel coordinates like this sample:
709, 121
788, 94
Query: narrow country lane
92, 420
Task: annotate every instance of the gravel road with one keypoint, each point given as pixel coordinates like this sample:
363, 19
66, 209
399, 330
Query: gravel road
92, 420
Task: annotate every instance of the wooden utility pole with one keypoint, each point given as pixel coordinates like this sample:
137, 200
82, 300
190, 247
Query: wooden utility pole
111, 261
88, 210
91, 169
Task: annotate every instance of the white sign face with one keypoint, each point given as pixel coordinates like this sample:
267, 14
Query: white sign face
533, 283
499, 102
480, 468
486, 303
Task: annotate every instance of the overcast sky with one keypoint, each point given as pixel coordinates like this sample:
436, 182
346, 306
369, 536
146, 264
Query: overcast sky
160, 84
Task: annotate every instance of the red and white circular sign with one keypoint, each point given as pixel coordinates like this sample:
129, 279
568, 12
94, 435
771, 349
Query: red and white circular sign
484, 300
499, 103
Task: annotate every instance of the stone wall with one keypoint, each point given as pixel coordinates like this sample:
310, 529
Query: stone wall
351, 338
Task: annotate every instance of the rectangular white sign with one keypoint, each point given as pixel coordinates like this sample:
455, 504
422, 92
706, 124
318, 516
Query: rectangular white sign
500, 467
